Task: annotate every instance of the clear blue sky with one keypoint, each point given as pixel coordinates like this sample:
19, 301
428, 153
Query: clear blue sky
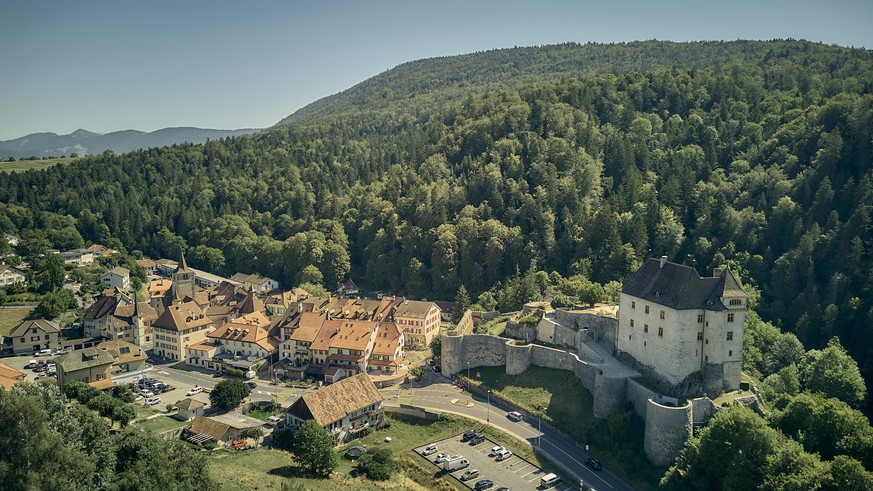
124, 64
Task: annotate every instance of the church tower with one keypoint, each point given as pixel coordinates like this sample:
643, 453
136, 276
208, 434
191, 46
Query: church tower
183, 280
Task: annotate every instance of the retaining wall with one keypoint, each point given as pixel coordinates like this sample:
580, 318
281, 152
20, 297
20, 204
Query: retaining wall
667, 430
639, 395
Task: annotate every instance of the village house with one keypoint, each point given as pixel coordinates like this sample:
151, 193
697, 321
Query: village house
100, 250
129, 360
116, 277
10, 275
344, 408
10, 376
179, 326
115, 316
189, 408
420, 322
223, 428
148, 265
241, 343
77, 257
35, 335
258, 283
92, 366
388, 351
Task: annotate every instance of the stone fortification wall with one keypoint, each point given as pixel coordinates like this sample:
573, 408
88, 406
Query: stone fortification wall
609, 394
525, 331
602, 328
477, 350
465, 325
639, 395
518, 358
703, 409
667, 430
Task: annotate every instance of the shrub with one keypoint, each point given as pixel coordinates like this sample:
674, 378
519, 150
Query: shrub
377, 464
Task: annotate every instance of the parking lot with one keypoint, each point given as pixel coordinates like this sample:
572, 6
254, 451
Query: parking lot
514, 473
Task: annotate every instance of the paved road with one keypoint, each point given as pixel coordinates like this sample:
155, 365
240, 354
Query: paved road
439, 394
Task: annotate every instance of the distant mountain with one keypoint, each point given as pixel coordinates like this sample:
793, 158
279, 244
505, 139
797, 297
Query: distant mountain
84, 142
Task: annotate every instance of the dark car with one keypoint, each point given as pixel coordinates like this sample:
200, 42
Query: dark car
467, 435
483, 484
167, 388
251, 385
594, 464
477, 439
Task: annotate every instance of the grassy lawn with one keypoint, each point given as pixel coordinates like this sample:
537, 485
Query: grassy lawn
266, 469
143, 412
24, 165
161, 424
560, 399
11, 317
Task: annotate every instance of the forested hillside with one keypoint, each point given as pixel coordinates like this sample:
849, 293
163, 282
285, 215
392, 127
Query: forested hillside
483, 169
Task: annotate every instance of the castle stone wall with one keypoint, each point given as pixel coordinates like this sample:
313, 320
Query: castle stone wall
702, 410
516, 330
452, 355
518, 358
609, 394
667, 430
639, 395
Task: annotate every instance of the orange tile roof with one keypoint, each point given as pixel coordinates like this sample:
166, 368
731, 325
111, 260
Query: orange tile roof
328, 330
310, 324
10, 376
182, 317
388, 339
159, 287
354, 335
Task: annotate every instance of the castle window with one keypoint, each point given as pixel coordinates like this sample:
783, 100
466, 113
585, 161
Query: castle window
629, 336
661, 331
644, 344
730, 335
730, 317
707, 341
700, 336
730, 353
700, 318
705, 358
633, 304
662, 314
736, 301
647, 309
632, 323
645, 328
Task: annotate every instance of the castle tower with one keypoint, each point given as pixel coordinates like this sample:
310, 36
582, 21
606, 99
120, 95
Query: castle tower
183, 280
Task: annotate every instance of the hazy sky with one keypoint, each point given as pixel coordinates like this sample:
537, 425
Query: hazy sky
124, 64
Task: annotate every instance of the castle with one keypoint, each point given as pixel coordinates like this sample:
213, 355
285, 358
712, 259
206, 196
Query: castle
681, 332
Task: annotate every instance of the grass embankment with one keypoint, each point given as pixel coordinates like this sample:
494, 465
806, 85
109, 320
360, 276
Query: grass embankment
266, 469
161, 424
10, 317
25, 165
560, 399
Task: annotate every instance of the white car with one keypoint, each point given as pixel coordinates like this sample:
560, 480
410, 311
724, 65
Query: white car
495, 450
429, 450
151, 401
147, 393
440, 458
503, 455
193, 392
515, 416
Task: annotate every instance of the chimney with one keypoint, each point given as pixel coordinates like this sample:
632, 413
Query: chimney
663, 261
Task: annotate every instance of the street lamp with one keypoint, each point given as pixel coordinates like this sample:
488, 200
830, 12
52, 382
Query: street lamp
468, 370
488, 417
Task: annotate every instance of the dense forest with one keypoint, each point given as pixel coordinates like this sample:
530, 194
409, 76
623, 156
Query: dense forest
482, 169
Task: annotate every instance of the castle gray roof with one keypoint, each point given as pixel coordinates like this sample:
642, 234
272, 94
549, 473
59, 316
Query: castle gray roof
680, 287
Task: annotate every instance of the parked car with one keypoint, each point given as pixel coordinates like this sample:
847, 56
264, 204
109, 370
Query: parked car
503, 455
477, 439
147, 393
167, 388
44, 352
30, 364
469, 474
515, 416
440, 458
495, 450
483, 484
429, 450
594, 464
252, 385
467, 435
193, 392
151, 401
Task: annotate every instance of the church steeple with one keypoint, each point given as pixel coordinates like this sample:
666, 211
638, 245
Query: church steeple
183, 280
183, 265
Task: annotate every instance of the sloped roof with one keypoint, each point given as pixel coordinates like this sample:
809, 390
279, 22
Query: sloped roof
388, 338
84, 358
245, 333
333, 402
104, 306
10, 376
41, 324
417, 309
145, 311
182, 317
189, 404
251, 304
353, 335
118, 270
160, 287
182, 267
209, 427
307, 329
122, 351
680, 287
146, 263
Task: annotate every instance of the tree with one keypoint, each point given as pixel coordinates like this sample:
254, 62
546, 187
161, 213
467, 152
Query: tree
51, 305
835, 373
436, 347
313, 449
311, 274
591, 293
51, 273
227, 394
416, 372
377, 464
462, 303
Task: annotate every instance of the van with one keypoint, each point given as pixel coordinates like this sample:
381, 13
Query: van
151, 401
44, 352
30, 364
549, 480
275, 420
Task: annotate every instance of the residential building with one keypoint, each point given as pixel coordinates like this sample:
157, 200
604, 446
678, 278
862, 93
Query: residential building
34, 335
77, 257
129, 360
420, 322
101, 250
90, 365
148, 265
679, 327
223, 428
116, 317
388, 351
351, 344
179, 326
260, 284
189, 408
9, 275
344, 408
241, 343
116, 277
10, 376
347, 288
